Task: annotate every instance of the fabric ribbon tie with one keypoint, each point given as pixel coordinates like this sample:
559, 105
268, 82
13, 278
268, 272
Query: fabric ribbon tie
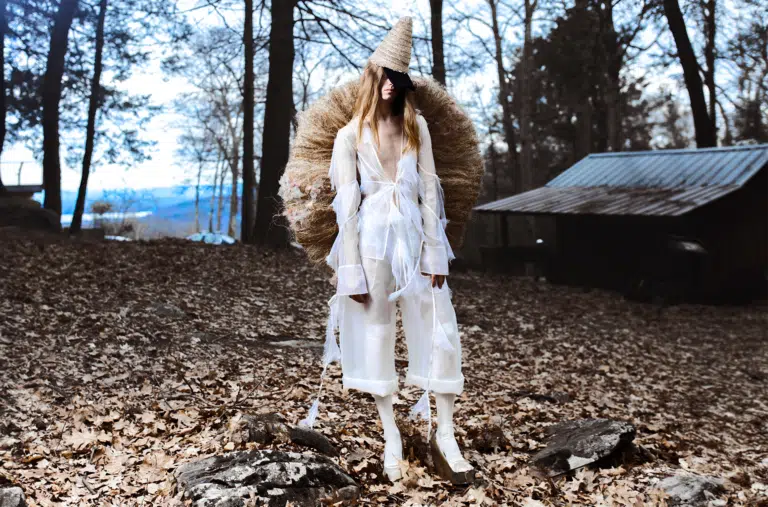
403, 265
331, 353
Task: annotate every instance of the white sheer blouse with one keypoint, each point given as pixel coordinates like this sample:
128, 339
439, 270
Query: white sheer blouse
402, 220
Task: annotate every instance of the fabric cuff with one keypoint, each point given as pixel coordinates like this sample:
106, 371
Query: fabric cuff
434, 260
377, 387
351, 280
446, 386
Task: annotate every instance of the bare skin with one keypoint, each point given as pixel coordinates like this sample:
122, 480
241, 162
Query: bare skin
390, 138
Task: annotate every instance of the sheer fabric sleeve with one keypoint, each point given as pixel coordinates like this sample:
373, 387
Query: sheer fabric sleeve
436, 250
344, 257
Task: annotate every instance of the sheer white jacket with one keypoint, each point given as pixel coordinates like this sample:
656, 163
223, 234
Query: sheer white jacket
407, 212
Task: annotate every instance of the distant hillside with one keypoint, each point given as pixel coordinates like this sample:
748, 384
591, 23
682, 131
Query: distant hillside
171, 211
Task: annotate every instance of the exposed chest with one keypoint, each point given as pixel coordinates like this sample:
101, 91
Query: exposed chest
391, 144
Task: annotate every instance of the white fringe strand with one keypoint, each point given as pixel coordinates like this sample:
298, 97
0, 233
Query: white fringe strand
309, 421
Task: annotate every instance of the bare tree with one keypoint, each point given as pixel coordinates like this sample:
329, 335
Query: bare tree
505, 91
221, 171
90, 133
708, 11
212, 209
235, 129
3, 101
748, 52
611, 58
705, 133
249, 175
438, 58
526, 137
277, 125
200, 148
51, 96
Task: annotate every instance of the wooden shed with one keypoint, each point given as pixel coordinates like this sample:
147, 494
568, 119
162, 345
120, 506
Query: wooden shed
691, 222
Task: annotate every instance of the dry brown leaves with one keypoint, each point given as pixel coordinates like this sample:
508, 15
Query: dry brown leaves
120, 361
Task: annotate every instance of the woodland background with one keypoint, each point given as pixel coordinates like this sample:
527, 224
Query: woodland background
546, 81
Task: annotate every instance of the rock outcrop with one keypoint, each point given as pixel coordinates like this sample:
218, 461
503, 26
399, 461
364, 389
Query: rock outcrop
574, 444
271, 477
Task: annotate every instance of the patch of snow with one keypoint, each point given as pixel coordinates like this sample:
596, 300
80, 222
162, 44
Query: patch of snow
212, 238
579, 461
88, 218
117, 238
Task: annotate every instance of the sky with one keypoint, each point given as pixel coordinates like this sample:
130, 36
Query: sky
164, 168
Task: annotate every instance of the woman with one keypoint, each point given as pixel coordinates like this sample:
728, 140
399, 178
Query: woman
392, 247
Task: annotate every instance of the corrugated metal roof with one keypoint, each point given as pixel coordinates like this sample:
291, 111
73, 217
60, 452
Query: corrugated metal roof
664, 182
608, 200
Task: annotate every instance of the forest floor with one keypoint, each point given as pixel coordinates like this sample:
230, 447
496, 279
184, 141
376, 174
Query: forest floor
120, 361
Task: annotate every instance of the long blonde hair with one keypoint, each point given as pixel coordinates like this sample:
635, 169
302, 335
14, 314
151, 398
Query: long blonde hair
367, 103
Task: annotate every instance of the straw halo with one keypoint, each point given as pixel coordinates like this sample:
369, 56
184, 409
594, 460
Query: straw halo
305, 188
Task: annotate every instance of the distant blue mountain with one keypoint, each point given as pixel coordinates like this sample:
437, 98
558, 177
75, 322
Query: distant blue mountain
174, 206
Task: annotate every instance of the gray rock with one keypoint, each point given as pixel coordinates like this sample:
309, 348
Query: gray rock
268, 428
12, 497
574, 444
690, 489
270, 477
312, 439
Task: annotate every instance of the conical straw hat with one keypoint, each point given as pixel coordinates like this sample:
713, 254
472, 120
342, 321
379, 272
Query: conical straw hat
394, 52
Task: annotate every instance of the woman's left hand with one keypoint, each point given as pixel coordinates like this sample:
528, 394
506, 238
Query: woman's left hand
437, 280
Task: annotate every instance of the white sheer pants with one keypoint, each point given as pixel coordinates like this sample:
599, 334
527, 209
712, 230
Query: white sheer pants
367, 335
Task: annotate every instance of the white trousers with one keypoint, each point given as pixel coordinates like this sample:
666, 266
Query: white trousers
367, 335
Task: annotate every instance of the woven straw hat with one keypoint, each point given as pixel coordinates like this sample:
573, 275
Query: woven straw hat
394, 52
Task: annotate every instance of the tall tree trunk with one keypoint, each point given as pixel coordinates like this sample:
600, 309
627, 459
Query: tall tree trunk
51, 96
710, 31
234, 202
249, 176
504, 98
526, 137
277, 127
502, 236
728, 136
197, 196
438, 58
705, 134
220, 207
90, 131
212, 209
611, 62
3, 102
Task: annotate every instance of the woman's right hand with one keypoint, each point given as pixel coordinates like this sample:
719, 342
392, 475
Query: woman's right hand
360, 298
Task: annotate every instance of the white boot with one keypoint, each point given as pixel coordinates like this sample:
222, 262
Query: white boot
448, 459
393, 444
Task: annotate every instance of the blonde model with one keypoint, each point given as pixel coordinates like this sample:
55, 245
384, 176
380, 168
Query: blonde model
392, 248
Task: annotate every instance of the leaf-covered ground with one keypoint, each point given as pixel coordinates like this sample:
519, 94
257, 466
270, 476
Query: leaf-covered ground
119, 361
